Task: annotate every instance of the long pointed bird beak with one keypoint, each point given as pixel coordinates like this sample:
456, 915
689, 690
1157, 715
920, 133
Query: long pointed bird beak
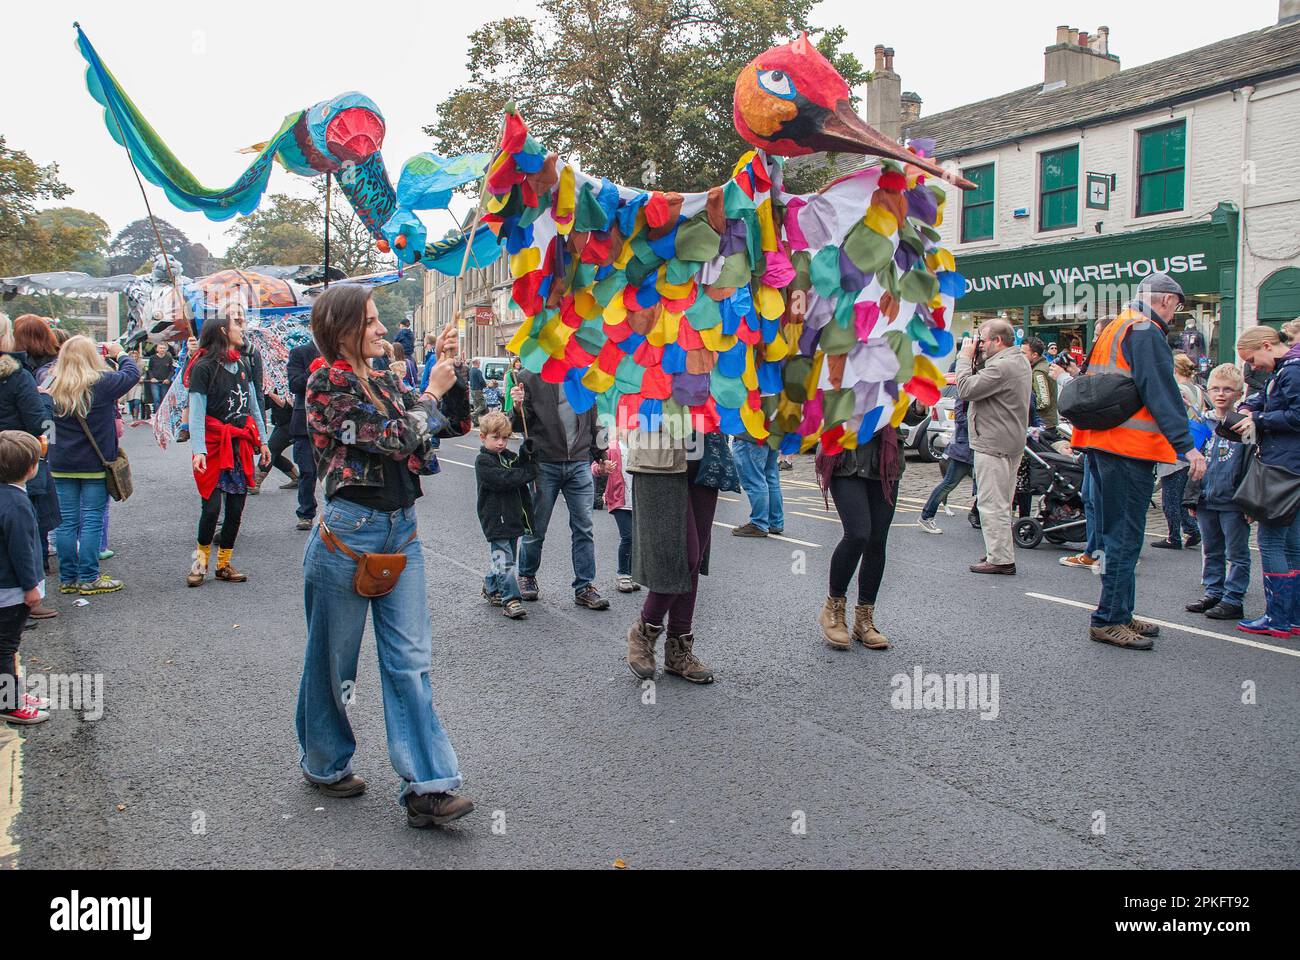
843, 131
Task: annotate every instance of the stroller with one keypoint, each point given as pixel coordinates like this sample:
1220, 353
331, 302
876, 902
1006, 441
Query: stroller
1058, 479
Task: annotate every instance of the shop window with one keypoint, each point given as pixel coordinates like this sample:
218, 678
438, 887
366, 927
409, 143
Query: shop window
977, 205
1058, 189
1162, 162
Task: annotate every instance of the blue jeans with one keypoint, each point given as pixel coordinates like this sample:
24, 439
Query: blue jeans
77, 538
760, 475
1279, 547
954, 473
1123, 489
623, 519
501, 578
1090, 507
573, 479
336, 618
154, 394
306, 461
1225, 543
1179, 518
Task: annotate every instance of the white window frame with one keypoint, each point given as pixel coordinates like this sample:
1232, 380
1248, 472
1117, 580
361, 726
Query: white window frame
1131, 217
993, 241
1035, 211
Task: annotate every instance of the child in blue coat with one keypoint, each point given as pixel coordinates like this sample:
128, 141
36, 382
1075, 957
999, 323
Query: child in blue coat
22, 576
1225, 533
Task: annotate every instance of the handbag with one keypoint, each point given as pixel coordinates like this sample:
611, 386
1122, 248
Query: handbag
377, 573
717, 467
1099, 401
117, 474
1268, 493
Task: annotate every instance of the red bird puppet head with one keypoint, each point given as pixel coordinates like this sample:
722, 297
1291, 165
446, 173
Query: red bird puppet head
790, 101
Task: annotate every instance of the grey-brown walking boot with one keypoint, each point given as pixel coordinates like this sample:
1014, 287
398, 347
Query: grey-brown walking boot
679, 659
834, 627
641, 639
864, 628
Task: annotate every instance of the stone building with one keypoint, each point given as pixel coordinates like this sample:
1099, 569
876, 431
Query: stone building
1099, 175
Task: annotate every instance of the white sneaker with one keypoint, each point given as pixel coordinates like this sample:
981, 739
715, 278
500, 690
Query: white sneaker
929, 526
947, 509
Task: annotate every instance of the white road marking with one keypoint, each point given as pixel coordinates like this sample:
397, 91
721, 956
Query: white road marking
772, 536
442, 459
814, 516
1176, 626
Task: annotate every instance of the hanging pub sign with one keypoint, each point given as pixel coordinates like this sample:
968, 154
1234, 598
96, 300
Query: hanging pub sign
483, 316
1099, 187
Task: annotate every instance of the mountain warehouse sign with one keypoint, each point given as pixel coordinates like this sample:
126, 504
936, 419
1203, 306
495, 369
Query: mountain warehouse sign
1130, 270
1196, 255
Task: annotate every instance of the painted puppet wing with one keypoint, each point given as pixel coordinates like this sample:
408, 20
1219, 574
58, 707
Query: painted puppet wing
732, 307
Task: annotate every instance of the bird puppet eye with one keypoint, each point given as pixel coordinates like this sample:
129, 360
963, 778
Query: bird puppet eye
777, 83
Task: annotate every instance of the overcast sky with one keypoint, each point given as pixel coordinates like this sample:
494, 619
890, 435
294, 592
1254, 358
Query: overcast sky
214, 77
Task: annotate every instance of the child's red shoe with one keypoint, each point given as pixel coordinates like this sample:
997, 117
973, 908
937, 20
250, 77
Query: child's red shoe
24, 715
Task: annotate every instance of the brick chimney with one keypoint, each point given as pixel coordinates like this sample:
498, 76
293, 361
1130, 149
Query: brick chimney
1080, 57
884, 94
1288, 11
911, 107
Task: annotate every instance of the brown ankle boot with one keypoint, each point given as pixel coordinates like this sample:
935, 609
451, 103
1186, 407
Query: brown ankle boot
864, 628
641, 639
679, 659
834, 628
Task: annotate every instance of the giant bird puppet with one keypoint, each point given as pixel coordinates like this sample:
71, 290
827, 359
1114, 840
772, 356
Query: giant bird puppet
795, 319
798, 319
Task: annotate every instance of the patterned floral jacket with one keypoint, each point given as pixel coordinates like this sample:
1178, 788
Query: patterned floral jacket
351, 438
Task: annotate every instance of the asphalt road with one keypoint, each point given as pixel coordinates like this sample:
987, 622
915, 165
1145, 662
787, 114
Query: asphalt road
793, 758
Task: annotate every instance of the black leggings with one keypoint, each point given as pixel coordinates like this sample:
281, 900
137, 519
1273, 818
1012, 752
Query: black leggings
230, 527
866, 516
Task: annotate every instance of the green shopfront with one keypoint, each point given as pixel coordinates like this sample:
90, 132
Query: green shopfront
1057, 291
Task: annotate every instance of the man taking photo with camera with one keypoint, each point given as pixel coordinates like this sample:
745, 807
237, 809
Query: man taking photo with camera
998, 397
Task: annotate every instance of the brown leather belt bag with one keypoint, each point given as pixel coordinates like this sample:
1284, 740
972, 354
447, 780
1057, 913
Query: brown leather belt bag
377, 573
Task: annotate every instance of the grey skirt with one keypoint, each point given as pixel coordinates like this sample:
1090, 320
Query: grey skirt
659, 561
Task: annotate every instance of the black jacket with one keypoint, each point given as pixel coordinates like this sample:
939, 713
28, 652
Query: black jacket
23, 408
541, 407
505, 500
160, 369
300, 361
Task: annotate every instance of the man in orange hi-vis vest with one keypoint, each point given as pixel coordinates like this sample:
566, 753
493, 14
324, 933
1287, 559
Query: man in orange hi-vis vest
1123, 458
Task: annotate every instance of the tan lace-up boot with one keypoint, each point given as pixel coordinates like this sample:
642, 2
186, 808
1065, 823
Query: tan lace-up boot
864, 628
834, 627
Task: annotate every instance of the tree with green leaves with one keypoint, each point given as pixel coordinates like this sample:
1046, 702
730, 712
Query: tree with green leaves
22, 183
395, 300
291, 230
73, 239
280, 231
133, 250
640, 90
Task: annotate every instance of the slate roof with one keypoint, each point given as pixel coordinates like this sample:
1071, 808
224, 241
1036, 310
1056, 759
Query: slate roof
1220, 66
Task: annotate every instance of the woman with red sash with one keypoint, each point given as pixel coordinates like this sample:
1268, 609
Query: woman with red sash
226, 423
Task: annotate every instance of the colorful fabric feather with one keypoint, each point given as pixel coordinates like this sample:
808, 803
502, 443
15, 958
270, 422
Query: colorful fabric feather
745, 309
